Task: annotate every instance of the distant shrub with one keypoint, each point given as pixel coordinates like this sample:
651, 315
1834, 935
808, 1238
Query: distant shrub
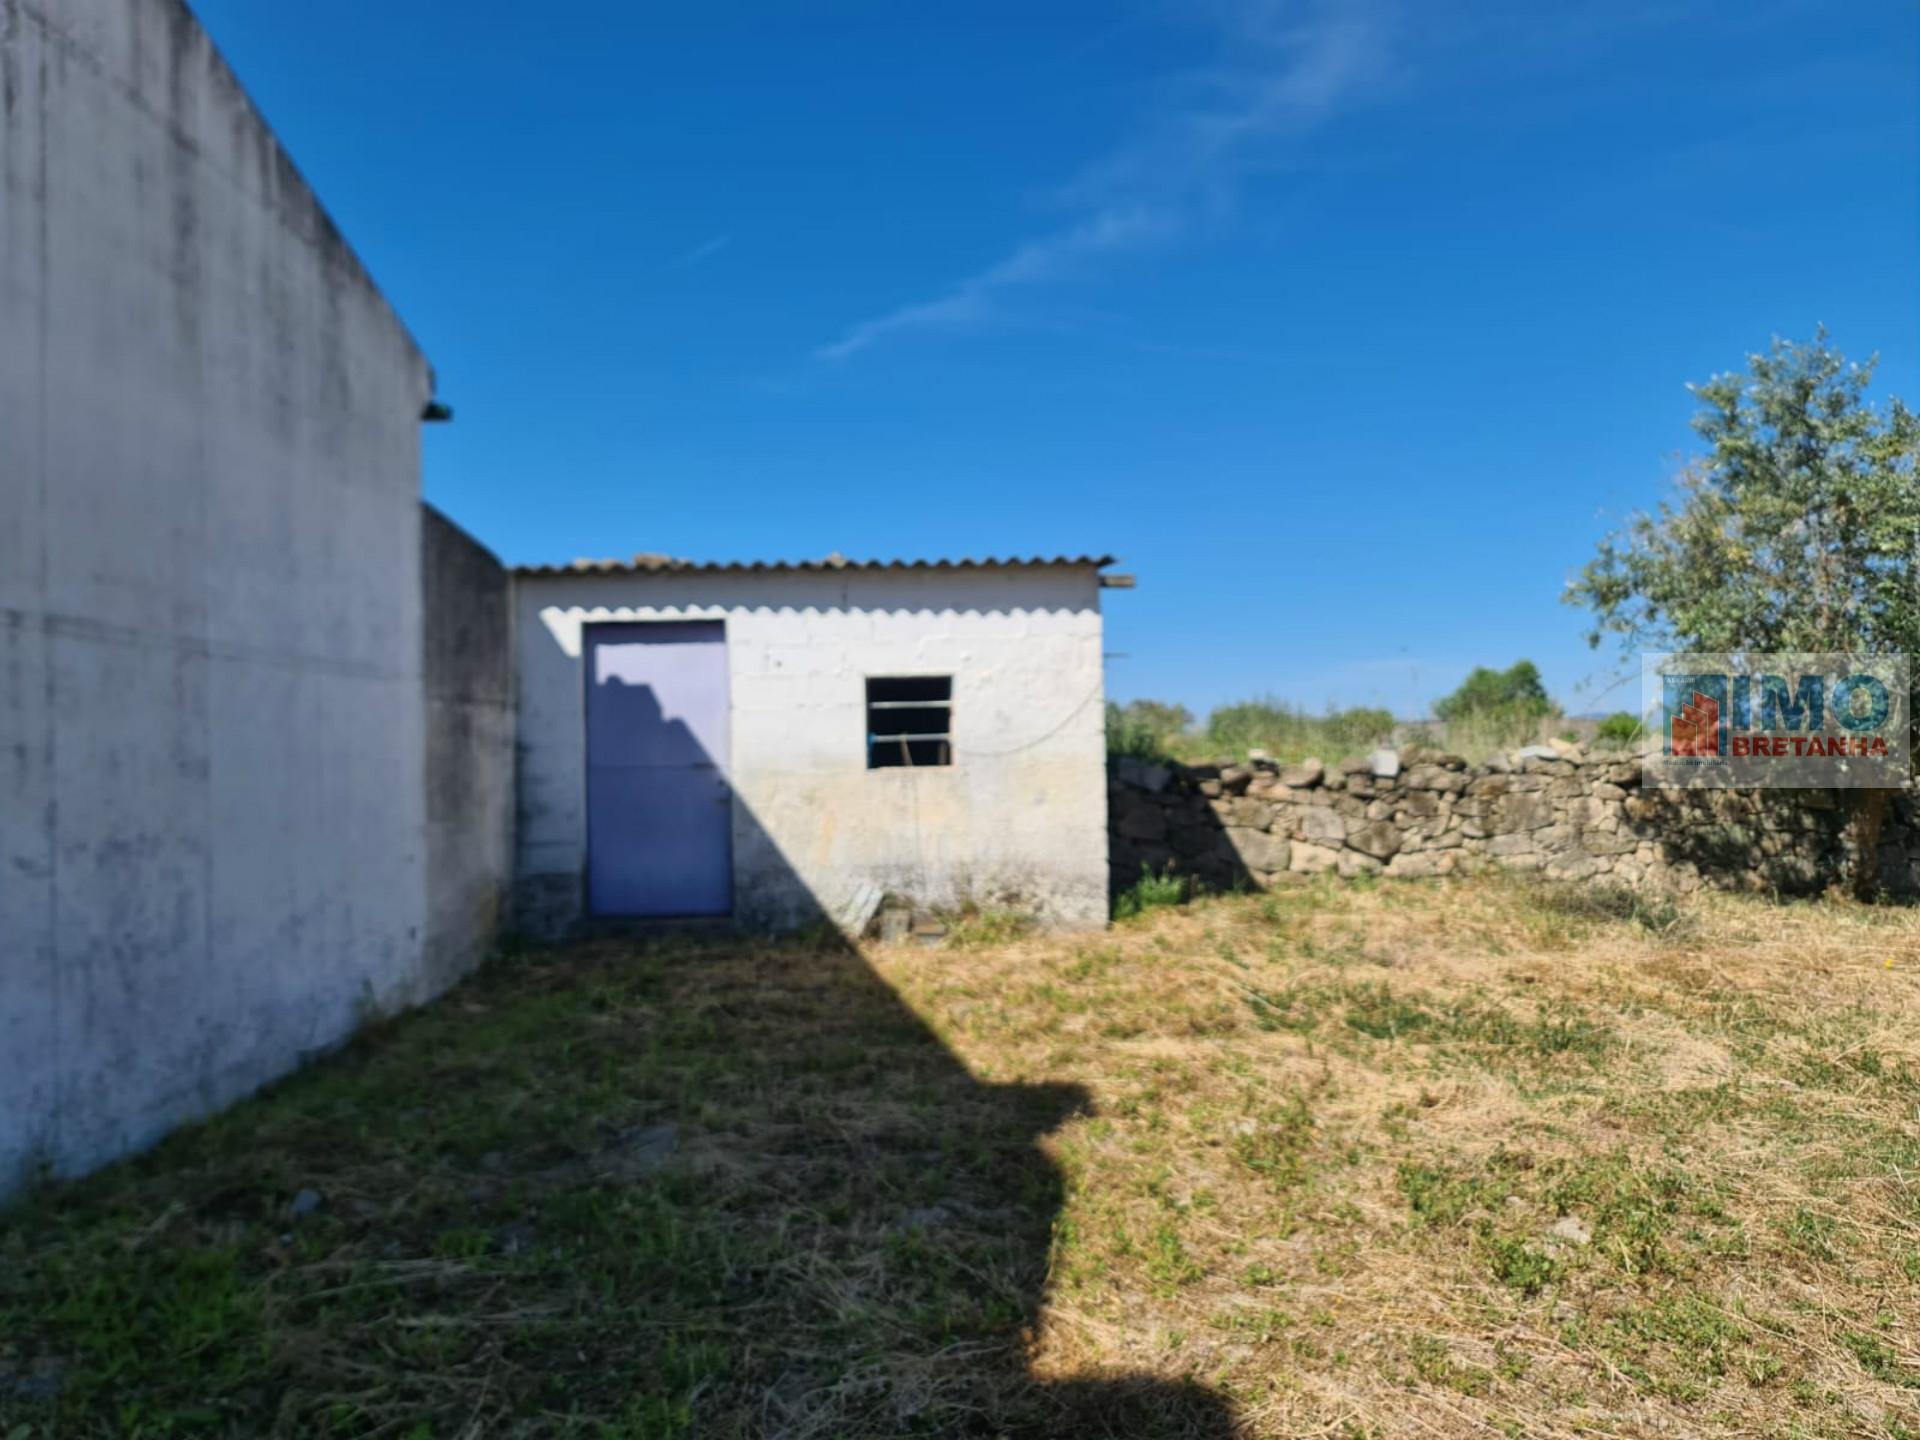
1156, 730
1620, 728
1289, 734
1145, 729
1518, 690
1497, 710
1481, 733
1150, 892
1360, 727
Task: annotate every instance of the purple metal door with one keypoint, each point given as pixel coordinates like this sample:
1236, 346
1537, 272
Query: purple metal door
659, 809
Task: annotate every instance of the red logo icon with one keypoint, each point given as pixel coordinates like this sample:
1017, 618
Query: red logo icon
1696, 729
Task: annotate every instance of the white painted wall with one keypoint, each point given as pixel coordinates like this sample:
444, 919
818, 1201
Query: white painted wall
211, 795
1020, 817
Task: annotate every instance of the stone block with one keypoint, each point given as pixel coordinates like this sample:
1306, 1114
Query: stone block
1600, 843
1312, 859
1320, 827
1243, 810
1523, 812
1304, 776
1376, 838
1258, 850
1573, 865
1433, 777
1521, 862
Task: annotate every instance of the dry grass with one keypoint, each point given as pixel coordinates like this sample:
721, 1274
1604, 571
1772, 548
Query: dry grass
1484, 1158
1396, 1160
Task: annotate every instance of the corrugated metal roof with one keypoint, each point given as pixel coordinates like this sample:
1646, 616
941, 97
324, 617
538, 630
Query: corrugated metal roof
669, 565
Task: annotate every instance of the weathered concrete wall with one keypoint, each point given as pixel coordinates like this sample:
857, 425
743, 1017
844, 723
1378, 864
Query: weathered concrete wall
468, 675
1019, 818
212, 808
1555, 810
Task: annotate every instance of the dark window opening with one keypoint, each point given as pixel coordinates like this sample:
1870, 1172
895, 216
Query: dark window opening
909, 720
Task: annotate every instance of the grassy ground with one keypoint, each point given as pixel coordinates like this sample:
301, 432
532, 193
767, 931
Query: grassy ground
1463, 1159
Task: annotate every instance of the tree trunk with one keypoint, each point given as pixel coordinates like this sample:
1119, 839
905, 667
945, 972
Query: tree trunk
1866, 816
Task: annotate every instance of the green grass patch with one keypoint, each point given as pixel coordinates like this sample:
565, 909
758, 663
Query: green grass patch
1151, 892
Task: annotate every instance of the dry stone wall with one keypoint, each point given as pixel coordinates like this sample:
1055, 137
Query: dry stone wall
1554, 810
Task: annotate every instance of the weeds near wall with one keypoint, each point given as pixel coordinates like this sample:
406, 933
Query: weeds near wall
976, 929
1151, 892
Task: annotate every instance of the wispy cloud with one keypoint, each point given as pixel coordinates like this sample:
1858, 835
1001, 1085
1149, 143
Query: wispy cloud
700, 253
1291, 67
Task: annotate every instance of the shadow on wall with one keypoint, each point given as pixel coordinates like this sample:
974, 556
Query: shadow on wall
660, 813
887, 1214
1574, 819
1195, 821
1788, 842
667, 836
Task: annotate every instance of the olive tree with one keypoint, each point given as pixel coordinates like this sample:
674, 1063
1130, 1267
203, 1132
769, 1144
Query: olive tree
1797, 529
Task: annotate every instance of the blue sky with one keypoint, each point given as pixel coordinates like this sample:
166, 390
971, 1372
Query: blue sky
1349, 326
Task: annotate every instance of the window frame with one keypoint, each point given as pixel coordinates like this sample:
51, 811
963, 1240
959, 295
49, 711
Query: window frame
908, 695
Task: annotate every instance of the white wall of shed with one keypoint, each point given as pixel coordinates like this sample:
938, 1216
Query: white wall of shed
1018, 819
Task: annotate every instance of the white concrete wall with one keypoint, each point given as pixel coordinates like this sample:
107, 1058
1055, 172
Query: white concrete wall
1019, 818
211, 792
468, 678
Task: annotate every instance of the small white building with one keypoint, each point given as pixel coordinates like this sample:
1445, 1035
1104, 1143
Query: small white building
780, 744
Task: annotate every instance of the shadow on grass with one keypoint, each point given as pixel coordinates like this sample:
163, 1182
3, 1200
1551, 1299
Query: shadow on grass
635, 1187
648, 1186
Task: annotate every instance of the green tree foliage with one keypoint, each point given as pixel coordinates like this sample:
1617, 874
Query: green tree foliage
1798, 529
1516, 691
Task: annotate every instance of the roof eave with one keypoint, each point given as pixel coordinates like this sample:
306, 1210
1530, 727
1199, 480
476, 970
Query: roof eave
832, 565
